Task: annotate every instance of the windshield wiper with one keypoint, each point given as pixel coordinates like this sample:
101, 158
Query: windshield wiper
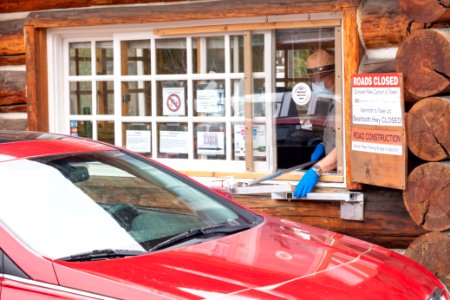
201, 231
101, 254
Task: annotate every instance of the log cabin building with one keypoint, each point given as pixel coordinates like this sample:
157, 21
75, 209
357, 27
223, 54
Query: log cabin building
183, 81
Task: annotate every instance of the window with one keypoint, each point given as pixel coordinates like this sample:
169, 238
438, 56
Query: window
180, 98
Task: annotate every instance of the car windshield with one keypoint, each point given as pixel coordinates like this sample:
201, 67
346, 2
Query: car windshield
66, 205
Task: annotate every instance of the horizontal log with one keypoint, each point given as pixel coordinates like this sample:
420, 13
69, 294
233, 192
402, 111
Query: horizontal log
13, 108
33, 5
182, 11
386, 221
383, 24
432, 251
12, 60
424, 59
428, 11
426, 197
428, 128
12, 37
12, 87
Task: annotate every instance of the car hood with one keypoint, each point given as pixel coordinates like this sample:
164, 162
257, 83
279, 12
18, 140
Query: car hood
278, 259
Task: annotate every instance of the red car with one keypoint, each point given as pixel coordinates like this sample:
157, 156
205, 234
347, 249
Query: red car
86, 220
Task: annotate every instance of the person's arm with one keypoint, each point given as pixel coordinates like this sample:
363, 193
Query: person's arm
309, 180
329, 162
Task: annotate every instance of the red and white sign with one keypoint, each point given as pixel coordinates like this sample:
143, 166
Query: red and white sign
376, 100
174, 101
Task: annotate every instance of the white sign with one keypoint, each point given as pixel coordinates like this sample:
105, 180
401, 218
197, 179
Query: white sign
173, 142
139, 140
173, 101
377, 148
210, 101
376, 100
211, 143
301, 93
259, 140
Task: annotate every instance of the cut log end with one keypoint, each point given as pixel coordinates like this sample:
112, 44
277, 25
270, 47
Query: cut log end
428, 129
424, 59
426, 11
426, 197
432, 250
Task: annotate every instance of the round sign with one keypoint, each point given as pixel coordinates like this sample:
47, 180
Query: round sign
301, 93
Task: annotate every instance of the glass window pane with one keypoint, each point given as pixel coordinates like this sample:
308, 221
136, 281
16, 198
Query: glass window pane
171, 97
105, 59
259, 142
136, 98
135, 57
80, 59
105, 131
137, 137
259, 97
209, 97
301, 127
258, 52
171, 56
208, 55
81, 98
237, 97
173, 140
209, 141
237, 53
81, 128
105, 97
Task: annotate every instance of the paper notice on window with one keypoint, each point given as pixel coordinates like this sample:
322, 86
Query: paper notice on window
259, 140
210, 101
173, 142
211, 143
139, 140
174, 101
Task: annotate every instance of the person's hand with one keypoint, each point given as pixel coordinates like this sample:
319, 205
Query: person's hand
318, 152
306, 184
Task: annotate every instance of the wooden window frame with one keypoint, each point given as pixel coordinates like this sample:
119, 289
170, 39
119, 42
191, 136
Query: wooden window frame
36, 26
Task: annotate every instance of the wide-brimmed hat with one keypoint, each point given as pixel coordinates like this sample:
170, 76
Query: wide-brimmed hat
320, 61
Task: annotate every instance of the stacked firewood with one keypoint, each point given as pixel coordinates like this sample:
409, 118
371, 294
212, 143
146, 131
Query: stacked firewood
423, 58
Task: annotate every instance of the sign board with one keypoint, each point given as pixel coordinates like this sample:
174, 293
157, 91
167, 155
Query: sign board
173, 101
175, 142
259, 140
210, 101
378, 138
139, 140
211, 143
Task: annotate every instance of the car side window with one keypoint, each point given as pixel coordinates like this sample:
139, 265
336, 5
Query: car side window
8, 267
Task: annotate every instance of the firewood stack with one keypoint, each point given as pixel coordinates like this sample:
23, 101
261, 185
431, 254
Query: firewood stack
423, 58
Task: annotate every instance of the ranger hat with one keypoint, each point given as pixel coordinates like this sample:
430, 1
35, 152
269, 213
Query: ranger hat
320, 61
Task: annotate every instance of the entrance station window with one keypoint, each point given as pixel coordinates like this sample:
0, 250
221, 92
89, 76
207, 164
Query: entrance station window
181, 98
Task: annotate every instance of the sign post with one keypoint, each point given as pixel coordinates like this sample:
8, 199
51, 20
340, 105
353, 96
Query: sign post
378, 130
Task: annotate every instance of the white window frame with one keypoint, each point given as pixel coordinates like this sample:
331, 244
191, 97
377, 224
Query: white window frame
58, 84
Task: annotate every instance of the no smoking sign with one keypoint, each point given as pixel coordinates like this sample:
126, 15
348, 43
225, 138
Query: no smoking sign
173, 101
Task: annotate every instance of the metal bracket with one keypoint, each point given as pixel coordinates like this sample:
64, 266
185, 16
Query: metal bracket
352, 203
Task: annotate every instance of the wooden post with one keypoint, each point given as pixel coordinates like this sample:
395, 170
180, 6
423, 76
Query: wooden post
36, 63
352, 57
248, 100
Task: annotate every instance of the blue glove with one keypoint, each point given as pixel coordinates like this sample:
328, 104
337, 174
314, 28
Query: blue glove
306, 184
318, 152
